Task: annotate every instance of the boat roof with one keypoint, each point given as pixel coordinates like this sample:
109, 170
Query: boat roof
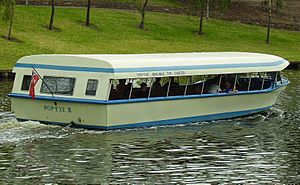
152, 65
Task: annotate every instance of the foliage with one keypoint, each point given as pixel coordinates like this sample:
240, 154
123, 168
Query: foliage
6, 6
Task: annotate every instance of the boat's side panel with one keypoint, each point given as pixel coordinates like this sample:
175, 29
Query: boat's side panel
165, 111
140, 114
62, 112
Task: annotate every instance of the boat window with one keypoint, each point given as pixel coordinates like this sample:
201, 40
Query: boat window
195, 85
26, 82
177, 86
91, 87
120, 89
140, 88
159, 87
191, 85
212, 84
58, 85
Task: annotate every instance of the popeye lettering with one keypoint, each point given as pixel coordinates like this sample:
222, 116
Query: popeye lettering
62, 109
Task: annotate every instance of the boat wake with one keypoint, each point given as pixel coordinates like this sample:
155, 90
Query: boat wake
13, 131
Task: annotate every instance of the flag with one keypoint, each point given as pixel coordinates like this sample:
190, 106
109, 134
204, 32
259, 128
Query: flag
34, 79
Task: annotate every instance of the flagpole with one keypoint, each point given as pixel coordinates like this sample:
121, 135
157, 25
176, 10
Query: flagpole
43, 81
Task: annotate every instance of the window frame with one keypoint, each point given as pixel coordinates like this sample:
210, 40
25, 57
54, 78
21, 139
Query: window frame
30, 77
94, 90
54, 92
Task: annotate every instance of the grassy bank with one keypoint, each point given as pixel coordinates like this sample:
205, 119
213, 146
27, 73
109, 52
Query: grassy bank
115, 31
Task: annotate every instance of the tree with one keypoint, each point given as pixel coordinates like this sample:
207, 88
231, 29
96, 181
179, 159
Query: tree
207, 9
141, 6
198, 6
52, 15
88, 13
279, 5
8, 14
269, 21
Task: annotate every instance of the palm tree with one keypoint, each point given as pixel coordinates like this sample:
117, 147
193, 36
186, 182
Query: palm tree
52, 14
88, 13
8, 14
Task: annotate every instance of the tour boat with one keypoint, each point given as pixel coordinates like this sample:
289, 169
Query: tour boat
116, 91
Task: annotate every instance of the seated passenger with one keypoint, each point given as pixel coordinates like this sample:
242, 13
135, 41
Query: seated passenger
213, 89
173, 83
156, 89
121, 89
228, 87
142, 92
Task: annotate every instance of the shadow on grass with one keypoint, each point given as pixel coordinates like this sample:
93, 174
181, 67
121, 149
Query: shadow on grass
196, 33
55, 29
92, 26
11, 39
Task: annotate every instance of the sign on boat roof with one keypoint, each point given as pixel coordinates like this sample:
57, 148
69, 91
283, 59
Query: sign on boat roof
153, 65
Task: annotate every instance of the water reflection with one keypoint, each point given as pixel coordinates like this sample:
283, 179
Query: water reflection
263, 148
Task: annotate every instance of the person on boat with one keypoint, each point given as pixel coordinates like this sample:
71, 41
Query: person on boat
228, 87
143, 91
121, 89
156, 89
213, 87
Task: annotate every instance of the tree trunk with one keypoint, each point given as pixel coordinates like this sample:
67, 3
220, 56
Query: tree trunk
88, 12
200, 32
207, 9
142, 24
52, 15
11, 21
277, 6
269, 23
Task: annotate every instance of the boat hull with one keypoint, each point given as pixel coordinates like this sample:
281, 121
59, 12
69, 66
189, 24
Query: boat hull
120, 114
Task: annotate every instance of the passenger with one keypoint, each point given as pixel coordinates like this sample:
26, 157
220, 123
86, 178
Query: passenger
173, 83
121, 89
143, 91
156, 89
228, 87
156, 84
213, 89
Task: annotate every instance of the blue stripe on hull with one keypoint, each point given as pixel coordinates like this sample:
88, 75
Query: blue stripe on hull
165, 122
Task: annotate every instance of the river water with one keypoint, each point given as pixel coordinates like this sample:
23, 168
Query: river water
264, 148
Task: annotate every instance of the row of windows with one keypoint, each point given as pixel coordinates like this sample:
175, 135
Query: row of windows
190, 85
60, 85
162, 87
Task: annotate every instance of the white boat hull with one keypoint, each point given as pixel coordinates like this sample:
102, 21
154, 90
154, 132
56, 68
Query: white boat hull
143, 113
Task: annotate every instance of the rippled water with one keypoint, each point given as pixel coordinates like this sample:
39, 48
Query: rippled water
263, 148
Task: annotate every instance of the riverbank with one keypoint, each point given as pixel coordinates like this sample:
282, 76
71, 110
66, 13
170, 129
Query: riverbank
245, 11
115, 31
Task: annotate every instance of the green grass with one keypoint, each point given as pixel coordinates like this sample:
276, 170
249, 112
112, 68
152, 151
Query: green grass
115, 31
162, 3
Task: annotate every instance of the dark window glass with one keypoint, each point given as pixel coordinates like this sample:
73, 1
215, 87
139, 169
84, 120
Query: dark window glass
58, 85
91, 87
26, 82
